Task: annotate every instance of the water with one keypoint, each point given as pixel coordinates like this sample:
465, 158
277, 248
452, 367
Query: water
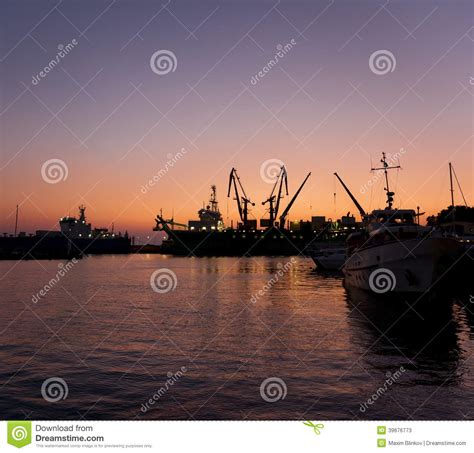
114, 341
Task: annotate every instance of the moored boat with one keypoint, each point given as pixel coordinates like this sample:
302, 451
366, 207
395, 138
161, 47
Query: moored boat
329, 259
394, 253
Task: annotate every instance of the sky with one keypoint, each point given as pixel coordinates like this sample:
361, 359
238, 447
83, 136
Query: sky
107, 117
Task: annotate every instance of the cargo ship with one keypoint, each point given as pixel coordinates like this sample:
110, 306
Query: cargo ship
276, 237
75, 238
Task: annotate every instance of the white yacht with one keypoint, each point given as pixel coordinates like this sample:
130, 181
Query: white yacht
397, 254
394, 253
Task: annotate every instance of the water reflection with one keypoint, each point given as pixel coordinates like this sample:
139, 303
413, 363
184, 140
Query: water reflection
422, 335
332, 347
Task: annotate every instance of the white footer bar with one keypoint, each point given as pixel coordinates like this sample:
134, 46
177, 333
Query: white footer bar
238, 436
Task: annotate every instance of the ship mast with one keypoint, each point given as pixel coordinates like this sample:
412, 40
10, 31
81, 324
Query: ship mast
16, 221
385, 168
213, 201
82, 213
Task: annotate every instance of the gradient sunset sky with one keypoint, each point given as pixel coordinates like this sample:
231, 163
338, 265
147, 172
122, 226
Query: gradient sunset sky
114, 122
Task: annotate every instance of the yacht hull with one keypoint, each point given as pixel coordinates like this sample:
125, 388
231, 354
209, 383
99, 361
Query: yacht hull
408, 266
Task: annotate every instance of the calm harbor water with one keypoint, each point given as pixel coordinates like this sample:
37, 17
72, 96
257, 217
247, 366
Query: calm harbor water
115, 342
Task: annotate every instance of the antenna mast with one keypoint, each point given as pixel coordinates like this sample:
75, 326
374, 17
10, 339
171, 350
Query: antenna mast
387, 188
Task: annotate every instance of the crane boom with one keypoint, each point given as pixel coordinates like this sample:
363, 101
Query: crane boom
290, 204
242, 200
282, 178
363, 214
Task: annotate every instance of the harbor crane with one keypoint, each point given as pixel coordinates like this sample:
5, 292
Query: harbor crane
242, 200
290, 204
164, 225
274, 199
363, 214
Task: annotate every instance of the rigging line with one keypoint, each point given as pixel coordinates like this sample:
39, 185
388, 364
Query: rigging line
396, 187
459, 186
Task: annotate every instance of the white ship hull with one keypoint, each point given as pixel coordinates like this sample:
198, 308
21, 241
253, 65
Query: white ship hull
412, 265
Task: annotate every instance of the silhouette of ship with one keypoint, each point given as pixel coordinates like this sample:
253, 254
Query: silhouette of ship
209, 237
75, 238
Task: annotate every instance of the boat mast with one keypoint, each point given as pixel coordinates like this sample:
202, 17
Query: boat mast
387, 188
16, 220
451, 183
